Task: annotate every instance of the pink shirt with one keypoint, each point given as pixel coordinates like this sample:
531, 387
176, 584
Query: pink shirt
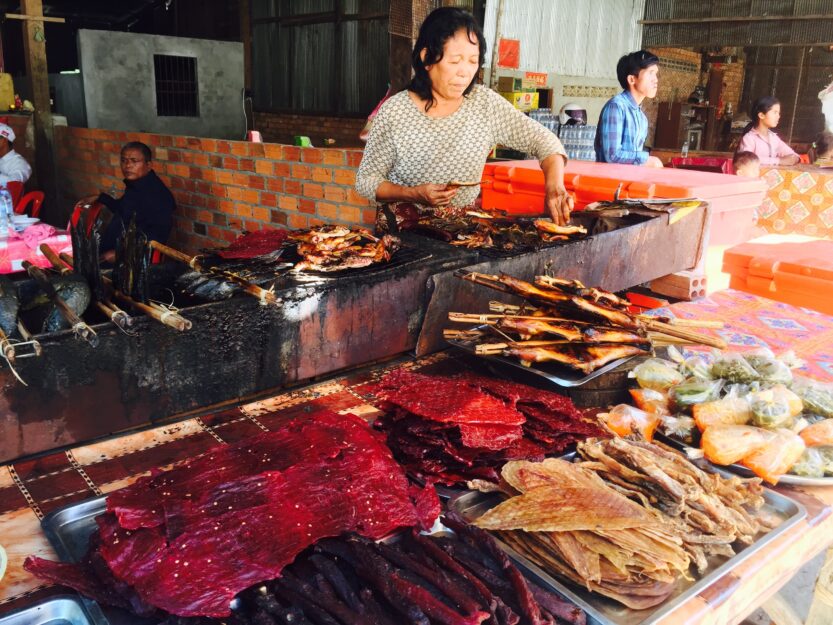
769, 149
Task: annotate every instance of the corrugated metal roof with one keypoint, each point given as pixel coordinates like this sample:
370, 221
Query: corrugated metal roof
567, 37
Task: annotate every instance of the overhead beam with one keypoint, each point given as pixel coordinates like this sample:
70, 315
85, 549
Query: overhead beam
755, 18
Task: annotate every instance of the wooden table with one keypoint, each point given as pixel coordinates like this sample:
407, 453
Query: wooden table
30, 489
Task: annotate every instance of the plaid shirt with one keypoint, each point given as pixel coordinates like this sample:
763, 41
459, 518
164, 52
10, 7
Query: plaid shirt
622, 131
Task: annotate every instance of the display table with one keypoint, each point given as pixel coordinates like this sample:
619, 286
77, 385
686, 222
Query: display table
31, 489
14, 252
799, 200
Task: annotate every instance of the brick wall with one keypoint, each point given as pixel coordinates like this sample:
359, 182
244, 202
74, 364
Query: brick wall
282, 128
733, 79
679, 73
222, 187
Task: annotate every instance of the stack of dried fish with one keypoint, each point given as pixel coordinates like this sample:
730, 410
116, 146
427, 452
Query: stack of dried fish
132, 266
626, 522
486, 231
334, 248
580, 327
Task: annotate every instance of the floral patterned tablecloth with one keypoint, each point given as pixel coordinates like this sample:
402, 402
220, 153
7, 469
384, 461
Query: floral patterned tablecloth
13, 253
799, 200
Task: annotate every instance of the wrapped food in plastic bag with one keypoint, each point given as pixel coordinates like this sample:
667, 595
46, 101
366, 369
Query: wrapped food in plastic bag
726, 444
695, 391
733, 367
656, 374
775, 407
769, 368
696, 367
727, 411
776, 457
817, 397
679, 427
810, 464
624, 420
650, 400
818, 434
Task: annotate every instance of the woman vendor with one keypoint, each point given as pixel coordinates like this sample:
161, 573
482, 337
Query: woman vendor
759, 137
441, 128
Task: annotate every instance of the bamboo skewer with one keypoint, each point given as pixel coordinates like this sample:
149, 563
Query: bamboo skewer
79, 327
265, 297
7, 347
28, 338
167, 317
119, 318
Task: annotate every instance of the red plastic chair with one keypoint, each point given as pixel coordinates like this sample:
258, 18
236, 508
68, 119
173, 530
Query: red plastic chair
35, 198
16, 189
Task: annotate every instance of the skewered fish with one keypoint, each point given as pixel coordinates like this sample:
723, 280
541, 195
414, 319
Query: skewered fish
584, 358
570, 331
9, 306
334, 248
549, 227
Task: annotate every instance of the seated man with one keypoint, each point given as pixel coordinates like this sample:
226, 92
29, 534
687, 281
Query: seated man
145, 196
13, 167
623, 127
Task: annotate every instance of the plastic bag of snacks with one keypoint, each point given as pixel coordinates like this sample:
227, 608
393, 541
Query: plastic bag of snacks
775, 407
624, 420
727, 444
656, 374
776, 457
727, 411
769, 368
817, 396
695, 391
733, 367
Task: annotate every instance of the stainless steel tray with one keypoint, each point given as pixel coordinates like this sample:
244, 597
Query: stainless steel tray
59, 610
68, 530
555, 373
603, 611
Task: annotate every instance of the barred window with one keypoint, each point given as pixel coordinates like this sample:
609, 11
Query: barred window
176, 86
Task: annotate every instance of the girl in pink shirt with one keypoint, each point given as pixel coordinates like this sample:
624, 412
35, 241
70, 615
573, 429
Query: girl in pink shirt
759, 138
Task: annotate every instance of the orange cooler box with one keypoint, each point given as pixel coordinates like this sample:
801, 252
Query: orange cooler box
517, 187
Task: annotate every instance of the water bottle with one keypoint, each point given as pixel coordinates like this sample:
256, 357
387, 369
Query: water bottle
6, 211
684, 151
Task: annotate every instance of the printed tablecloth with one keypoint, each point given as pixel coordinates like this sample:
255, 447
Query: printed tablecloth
13, 253
798, 200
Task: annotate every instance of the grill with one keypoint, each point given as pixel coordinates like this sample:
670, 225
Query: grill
404, 257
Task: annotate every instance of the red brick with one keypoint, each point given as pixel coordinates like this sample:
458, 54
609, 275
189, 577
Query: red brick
252, 226
278, 217
224, 147
242, 210
251, 196
273, 151
302, 172
292, 186
231, 163
247, 164
327, 211
306, 206
239, 148
291, 153
354, 157
355, 198
200, 159
261, 213
256, 182
282, 169
346, 177
296, 221
322, 174
368, 216
215, 232
350, 214
227, 207
314, 190
268, 199
264, 167
215, 160
333, 157
288, 203
311, 155
274, 184
209, 145
256, 149
234, 193
335, 194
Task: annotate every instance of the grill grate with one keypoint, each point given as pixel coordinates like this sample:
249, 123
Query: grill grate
404, 257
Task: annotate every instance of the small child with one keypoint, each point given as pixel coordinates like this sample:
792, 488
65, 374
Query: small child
821, 152
747, 164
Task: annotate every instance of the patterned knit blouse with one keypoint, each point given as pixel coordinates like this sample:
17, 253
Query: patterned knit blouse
409, 148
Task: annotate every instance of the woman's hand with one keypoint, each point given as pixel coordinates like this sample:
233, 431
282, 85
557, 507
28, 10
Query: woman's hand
559, 204
433, 194
791, 159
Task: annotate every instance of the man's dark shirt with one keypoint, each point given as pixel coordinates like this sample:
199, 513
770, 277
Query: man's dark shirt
150, 200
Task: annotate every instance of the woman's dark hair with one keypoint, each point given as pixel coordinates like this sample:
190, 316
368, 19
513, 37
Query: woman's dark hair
822, 146
138, 145
633, 63
761, 105
440, 26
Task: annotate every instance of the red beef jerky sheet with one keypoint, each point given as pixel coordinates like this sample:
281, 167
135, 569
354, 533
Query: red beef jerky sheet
254, 244
188, 540
484, 421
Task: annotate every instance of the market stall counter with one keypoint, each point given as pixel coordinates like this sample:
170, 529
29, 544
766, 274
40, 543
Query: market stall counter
31, 489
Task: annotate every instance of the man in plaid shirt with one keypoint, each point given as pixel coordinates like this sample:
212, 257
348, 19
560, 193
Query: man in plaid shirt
623, 126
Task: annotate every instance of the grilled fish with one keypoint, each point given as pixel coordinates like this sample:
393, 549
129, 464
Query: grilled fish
570, 331
9, 305
74, 290
545, 225
581, 358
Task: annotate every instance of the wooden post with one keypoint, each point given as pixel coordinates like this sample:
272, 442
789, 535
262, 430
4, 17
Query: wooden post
34, 45
246, 38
